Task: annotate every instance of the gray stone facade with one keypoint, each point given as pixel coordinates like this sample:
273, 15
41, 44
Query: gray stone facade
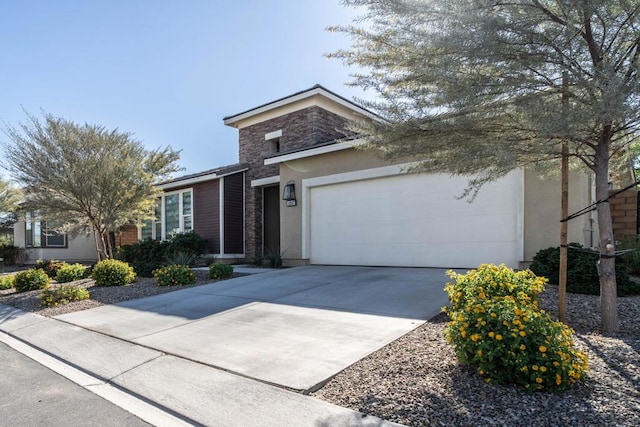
300, 129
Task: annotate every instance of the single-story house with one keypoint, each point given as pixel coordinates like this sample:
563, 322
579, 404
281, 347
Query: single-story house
304, 189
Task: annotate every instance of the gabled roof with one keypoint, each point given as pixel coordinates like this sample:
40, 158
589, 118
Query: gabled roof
317, 90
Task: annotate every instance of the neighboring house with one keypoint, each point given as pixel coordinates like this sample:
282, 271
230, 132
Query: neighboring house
348, 206
41, 241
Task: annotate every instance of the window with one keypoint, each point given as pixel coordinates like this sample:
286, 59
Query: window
273, 141
173, 214
40, 234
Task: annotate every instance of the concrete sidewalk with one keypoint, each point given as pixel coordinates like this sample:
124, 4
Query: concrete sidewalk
186, 392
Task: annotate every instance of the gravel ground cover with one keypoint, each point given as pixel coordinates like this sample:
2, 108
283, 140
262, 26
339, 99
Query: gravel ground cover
100, 295
416, 380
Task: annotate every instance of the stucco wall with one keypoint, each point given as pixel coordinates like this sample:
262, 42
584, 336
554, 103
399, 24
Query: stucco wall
541, 202
80, 248
542, 212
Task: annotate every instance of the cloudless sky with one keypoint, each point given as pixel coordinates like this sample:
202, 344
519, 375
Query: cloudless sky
166, 70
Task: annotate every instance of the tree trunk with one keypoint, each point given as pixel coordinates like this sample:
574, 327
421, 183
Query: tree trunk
606, 264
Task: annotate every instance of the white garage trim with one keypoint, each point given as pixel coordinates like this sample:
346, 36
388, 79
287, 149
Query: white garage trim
388, 171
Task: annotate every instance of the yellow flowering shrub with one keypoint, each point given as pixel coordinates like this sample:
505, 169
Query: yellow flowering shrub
220, 270
489, 281
31, 280
62, 295
174, 275
507, 338
111, 272
7, 281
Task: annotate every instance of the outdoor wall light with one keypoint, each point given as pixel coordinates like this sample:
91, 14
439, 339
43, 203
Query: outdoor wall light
289, 193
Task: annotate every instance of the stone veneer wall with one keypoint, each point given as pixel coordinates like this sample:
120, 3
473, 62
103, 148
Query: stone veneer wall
300, 129
624, 214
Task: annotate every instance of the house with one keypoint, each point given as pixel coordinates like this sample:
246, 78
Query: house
303, 188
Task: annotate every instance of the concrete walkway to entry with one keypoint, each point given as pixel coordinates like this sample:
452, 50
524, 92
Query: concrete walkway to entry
295, 327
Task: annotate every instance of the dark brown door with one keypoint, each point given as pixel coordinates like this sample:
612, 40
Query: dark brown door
271, 220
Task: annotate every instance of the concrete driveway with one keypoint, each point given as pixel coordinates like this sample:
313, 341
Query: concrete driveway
295, 327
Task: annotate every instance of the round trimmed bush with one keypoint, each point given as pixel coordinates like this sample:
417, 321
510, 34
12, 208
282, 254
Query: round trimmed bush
71, 272
496, 327
220, 270
174, 275
7, 281
31, 280
62, 295
111, 272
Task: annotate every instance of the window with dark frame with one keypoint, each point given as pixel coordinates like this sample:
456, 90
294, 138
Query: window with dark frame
39, 235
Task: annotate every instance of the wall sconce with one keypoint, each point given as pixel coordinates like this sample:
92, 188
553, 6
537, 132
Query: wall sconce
289, 193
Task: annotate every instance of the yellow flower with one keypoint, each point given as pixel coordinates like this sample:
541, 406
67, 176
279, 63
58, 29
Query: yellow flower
498, 337
463, 334
523, 347
542, 349
558, 379
534, 367
539, 380
523, 333
543, 369
491, 334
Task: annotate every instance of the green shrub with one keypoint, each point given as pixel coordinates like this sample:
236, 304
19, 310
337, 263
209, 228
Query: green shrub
111, 272
631, 260
50, 266
71, 272
582, 273
174, 275
31, 280
220, 270
189, 243
62, 295
144, 256
7, 281
149, 255
497, 328
181, 258
10, 254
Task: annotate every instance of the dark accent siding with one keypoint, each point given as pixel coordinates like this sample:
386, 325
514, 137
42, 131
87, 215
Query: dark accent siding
206, 213
234, 214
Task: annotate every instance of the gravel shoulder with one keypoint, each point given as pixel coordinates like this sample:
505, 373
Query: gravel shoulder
100, 295
417, 381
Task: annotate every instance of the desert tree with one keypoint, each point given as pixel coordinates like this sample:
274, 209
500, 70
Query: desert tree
481, 87
85, 177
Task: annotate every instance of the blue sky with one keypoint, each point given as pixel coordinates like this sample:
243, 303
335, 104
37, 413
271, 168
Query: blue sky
167, 71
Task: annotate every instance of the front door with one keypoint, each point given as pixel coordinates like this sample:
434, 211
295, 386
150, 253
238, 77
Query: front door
271, 220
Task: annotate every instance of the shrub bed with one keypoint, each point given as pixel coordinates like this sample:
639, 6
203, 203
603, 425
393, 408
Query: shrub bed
31, 280
50, 266
496, 327
582, 273
220, 270
174, 275
149, 255
112, 272
62, 295
70, 272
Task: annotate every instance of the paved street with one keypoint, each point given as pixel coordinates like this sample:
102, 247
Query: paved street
31, 394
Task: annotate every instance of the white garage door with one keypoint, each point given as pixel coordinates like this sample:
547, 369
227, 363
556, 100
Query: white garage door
415, 220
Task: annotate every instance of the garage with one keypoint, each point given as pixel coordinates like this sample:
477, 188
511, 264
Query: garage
413, 220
